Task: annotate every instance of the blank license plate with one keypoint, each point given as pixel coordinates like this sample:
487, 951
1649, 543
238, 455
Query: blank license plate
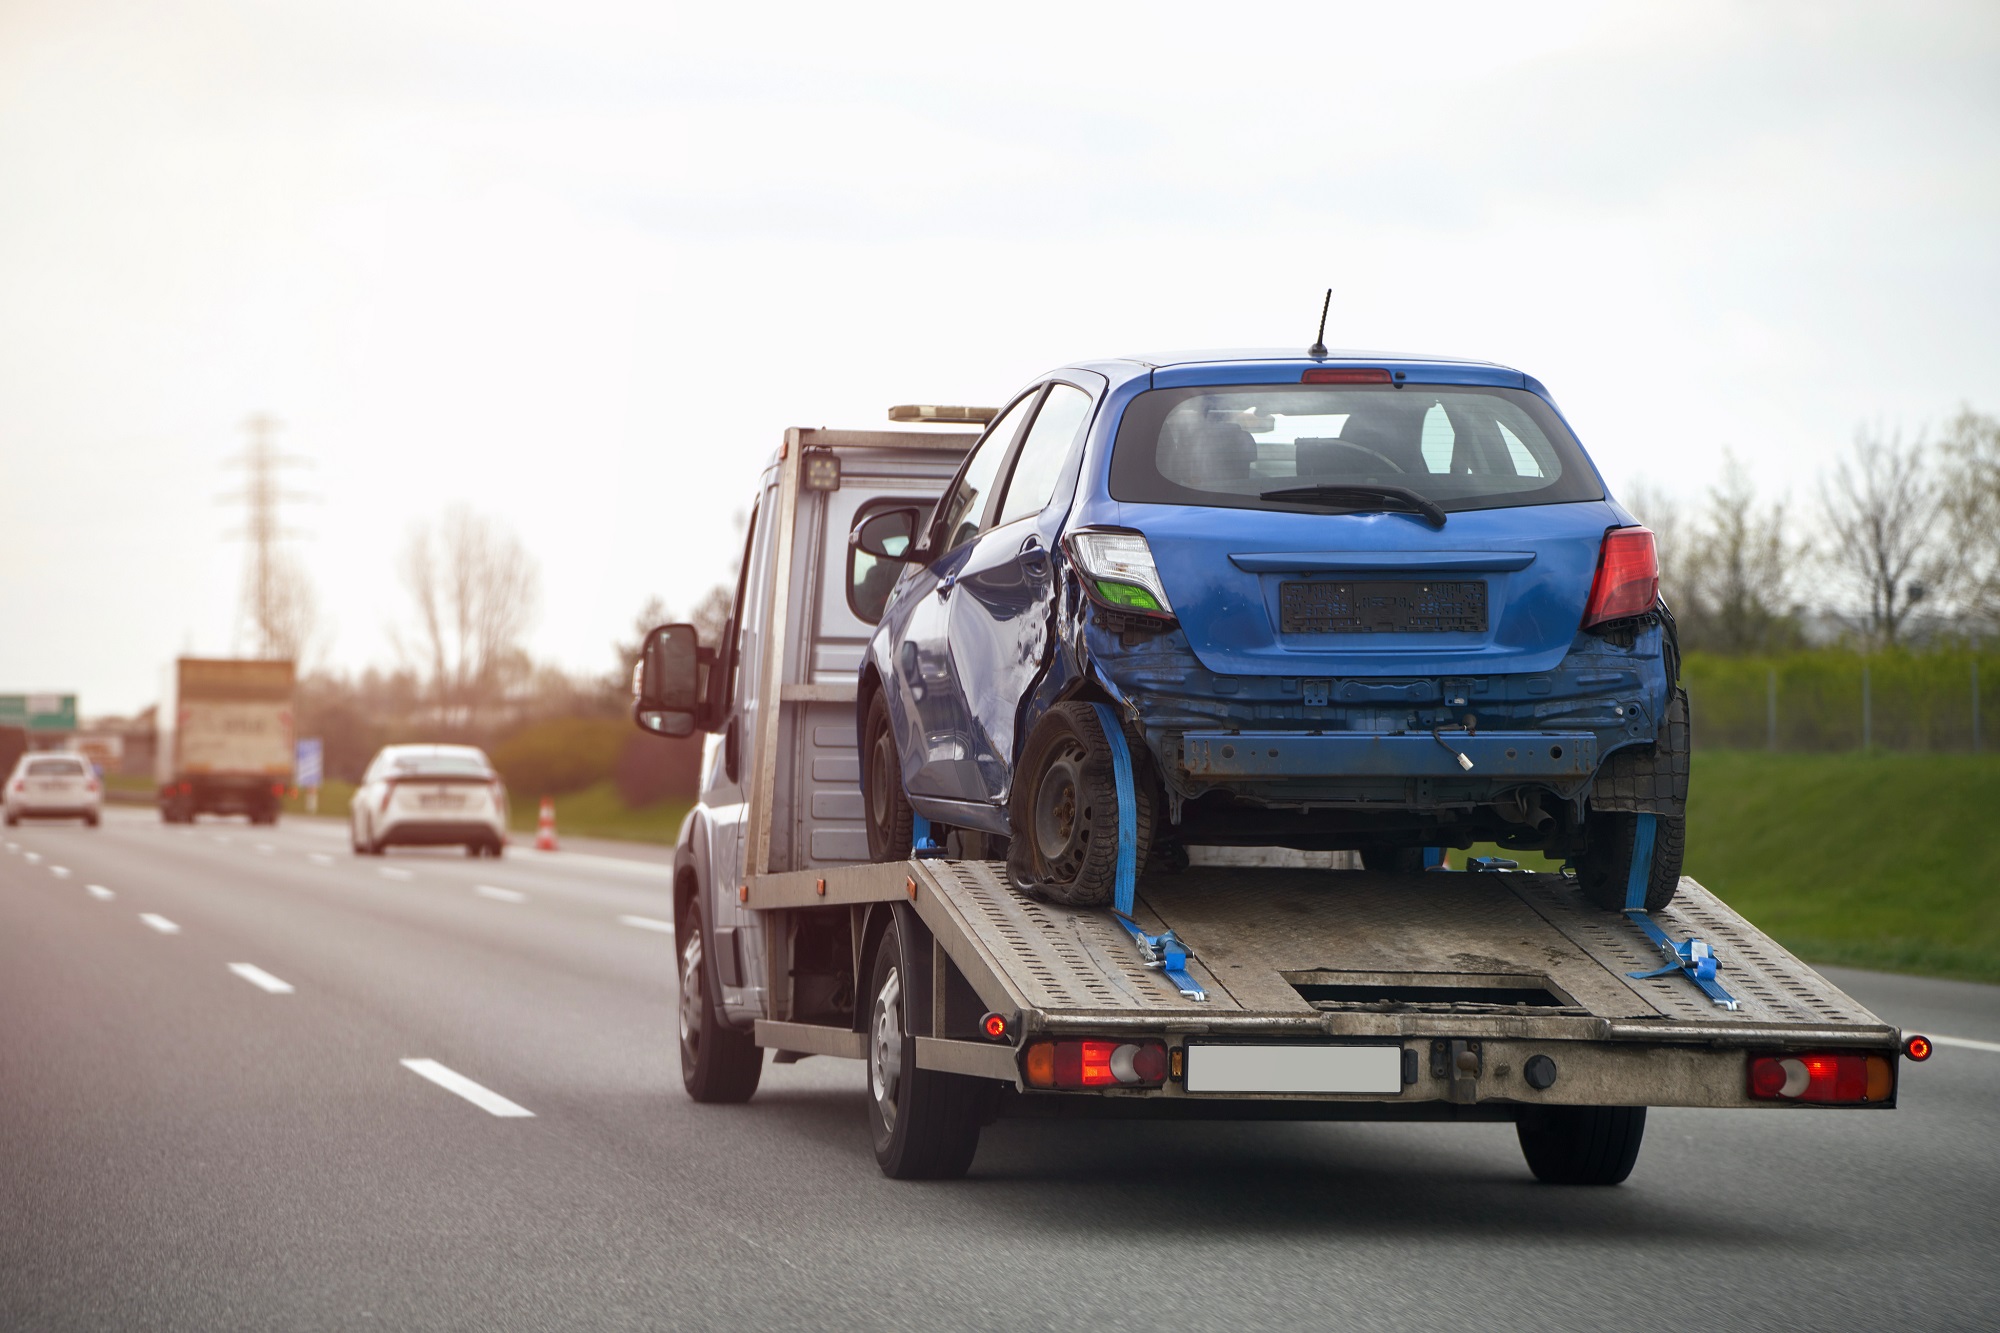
1383, 606
1329, 1069
441, 799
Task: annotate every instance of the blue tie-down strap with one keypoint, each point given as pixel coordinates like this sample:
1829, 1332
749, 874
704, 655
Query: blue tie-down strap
1161, 951
1692, 958
922, 845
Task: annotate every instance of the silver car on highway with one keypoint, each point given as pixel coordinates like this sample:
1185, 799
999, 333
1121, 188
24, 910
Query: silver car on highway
429, 796
53, 786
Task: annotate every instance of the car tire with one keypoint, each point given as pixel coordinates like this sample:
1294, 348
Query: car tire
90, 820
496, 850
1581, 1145
719, 1063
13, 820
924, 1124
885, 806
1064, 812
1658, 775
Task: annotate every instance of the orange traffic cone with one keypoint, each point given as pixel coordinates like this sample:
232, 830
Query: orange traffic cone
545, 835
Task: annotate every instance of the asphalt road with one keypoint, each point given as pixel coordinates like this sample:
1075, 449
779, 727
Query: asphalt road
183, 1147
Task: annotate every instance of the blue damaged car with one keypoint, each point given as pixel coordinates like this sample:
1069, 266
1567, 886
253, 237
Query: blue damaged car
1339, 601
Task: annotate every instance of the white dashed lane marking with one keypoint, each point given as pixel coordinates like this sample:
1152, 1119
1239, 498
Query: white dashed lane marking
1968, 1043
319, 858
60, 872
451, 1081
499, 895
159, 923
34, 856
266, 848
391, 872
261, 979
649, 923
99, 892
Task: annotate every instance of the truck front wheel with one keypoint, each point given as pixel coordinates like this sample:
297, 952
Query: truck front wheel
1581, 1145
925, 1124
718, 1063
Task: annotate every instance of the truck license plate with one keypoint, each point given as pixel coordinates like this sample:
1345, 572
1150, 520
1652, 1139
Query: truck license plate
1294, 1068
1383, 606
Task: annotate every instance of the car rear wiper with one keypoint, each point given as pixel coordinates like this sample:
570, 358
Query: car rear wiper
1394, 497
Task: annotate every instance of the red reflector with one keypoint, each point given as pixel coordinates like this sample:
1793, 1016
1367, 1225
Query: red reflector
1829, 1078
1071, 1065
1345, 375
1918, 1048
994, 1026
1628, 577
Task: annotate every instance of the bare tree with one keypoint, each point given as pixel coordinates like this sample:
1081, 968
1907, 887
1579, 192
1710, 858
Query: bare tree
1883, 509
282, 608
1667, 516
1727, 571
1971, 449
476, 589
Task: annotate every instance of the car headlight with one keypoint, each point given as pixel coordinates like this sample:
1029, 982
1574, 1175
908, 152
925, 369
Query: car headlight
1118, 571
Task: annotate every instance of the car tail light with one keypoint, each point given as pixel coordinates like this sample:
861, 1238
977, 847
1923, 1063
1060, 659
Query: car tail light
1628, 577
1844, 1078
1118, 571
1345, 375
1070, 1065
388, 794
20, 784
90, 785
499, 798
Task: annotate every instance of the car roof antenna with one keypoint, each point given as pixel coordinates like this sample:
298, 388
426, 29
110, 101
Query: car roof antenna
1319, 344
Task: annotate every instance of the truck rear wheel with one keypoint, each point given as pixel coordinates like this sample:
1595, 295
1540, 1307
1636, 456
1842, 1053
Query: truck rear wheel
889, 816
718, 1063
1064, 812
925, 1124
1581, 1145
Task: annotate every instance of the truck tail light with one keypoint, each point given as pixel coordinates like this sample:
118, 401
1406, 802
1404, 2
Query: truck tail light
1843, 1078
1917, 1048
1628, 577
1070, 1065
1118, 571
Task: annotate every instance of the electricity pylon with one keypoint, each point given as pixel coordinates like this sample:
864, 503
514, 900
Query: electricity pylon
274, 595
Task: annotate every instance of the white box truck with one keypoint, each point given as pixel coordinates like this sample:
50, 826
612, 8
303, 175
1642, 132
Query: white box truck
227, 742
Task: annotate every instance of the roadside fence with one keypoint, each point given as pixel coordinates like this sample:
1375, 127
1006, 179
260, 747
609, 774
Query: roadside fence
1836, 699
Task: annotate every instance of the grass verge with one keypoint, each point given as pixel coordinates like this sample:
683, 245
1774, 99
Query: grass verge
1884, 861
599, 812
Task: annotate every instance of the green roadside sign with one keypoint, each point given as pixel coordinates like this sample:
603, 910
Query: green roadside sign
38, 712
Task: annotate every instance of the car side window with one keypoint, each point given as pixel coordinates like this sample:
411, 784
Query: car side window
958, 521
1038, 467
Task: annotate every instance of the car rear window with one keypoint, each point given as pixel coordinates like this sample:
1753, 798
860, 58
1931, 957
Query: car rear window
441, 766
1464, 447
55, 768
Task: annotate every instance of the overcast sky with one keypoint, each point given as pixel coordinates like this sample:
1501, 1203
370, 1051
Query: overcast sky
579, 264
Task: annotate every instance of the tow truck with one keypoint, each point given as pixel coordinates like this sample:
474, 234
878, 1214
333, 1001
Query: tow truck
1248, 985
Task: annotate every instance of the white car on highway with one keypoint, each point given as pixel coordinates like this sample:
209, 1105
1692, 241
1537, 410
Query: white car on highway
429, 796
53, 786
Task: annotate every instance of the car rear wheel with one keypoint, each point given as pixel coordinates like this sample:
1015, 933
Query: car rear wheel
1581, 1145
718, 1062
889, 816
1064, 812
924, 1124
1655, 776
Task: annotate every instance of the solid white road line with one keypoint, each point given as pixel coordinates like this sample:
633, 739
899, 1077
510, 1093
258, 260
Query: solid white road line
500, 895
391, 872
1968, 1043
60, 872
484, 1098
319, 858
649, 923
261, 979
99, 892
159, 923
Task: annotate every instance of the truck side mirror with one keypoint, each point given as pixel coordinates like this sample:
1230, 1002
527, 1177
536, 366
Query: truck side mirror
670, 683
888, 534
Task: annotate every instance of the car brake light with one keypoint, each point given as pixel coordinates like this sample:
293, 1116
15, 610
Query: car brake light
1345, 375
1118, 571
20, 784
1848, 1078
90, 785
1628, 577
1070, 1065
499, 798
388, 791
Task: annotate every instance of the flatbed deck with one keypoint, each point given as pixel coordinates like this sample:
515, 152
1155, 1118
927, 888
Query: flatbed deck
1516, 964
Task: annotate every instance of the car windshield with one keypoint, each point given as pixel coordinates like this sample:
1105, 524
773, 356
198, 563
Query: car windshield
1462, 447
441, 765
55, 768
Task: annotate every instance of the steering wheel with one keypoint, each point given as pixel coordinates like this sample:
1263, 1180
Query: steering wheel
1364, 449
